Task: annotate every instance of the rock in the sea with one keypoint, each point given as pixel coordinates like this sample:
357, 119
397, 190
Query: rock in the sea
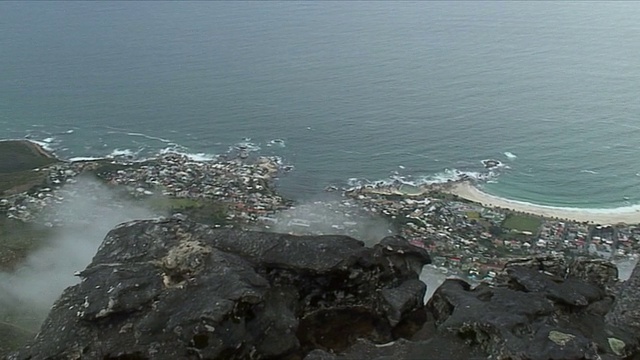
491, 163
174, 289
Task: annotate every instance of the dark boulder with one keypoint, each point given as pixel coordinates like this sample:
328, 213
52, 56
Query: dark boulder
174, 289
533, 313
540, 308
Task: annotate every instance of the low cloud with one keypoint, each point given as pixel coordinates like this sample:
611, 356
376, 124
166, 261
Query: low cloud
87, 213
335, 217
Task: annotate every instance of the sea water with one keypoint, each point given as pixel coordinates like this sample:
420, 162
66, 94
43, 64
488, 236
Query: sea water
347, 93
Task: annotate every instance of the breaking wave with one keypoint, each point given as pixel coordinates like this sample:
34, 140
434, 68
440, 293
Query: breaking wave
148, 137
85, 158
45, 145
192, 156
448, 175
123, 153
245, 145
510, 155
277, 142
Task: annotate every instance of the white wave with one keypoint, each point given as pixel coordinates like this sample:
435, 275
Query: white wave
48, 140
245, 146
200, 156
149, 137
44, 145
278, 142
510, 155
448, 175
455, 175
122, 153
71, 131
85, 158
277, 159
589, 172
180, 150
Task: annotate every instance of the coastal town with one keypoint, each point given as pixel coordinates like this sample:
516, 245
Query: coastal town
235, 190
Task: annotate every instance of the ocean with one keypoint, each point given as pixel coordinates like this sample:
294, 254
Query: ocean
346, 92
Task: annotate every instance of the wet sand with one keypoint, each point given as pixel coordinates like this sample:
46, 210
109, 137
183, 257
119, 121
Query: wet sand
467, 191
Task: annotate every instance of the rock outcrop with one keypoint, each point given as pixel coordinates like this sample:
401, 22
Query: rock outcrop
174, 289
541, 308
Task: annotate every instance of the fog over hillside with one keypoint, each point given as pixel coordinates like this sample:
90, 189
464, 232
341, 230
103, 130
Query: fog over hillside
87, 213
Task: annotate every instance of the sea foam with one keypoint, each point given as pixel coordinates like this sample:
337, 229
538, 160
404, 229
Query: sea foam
85, 158
448, 175
121, 153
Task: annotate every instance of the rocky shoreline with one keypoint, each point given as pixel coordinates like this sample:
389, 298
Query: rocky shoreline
245, 186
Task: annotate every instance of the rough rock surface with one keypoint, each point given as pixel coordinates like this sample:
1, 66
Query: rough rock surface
626, 308
538, 311
174, 289
541, 308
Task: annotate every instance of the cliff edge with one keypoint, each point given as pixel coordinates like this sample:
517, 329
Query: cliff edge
175, 289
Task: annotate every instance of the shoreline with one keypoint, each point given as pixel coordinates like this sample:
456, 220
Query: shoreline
466, 190
463, 188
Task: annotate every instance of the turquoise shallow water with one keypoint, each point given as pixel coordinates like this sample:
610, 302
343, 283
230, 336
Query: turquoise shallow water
373, 90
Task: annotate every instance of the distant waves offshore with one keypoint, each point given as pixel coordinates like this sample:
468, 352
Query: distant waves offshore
505, 179
343, 91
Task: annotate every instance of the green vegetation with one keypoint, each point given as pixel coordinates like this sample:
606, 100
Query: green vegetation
104, 167
445, 196
520, 222
201, 210
12, 337
20, 181
472, 215
18, 155
17, 160
18, 239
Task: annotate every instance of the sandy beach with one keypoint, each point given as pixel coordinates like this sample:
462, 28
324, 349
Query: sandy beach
467, 191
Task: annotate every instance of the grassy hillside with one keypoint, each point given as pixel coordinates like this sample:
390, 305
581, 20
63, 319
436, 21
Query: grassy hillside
18, 158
